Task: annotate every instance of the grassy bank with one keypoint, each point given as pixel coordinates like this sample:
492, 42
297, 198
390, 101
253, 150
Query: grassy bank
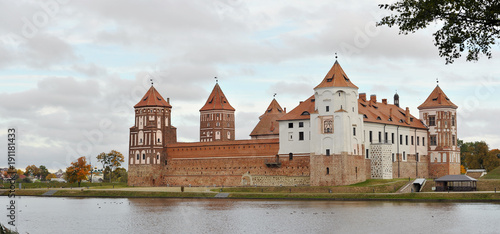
369, 186
106, 193
67, 185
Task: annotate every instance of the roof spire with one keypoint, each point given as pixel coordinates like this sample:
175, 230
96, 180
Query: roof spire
335, 56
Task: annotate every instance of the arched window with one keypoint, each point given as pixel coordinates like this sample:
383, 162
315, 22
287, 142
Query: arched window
328, 171
290, 156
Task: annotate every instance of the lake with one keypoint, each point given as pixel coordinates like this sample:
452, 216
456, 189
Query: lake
161, 215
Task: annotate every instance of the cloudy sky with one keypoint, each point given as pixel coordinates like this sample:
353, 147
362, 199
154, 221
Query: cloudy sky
71, 71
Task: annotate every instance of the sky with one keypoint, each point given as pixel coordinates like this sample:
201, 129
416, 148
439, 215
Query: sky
71, 71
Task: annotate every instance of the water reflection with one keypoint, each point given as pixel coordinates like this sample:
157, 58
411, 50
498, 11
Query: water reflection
158, 215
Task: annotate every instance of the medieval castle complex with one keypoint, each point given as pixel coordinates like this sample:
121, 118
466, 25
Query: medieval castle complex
335, 137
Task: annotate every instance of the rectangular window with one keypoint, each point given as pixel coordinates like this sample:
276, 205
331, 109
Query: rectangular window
432, 120
400, 139
301, 136
327, 108
433, 140
327, 152
404, 156
406, 138
423, 141
453, 120
371, 137
418, 140
418, 159
453, 140
301, 124
411, 140
367, 155
354, 131
392, 138
379, 137
290, 125
386, 139
393, 159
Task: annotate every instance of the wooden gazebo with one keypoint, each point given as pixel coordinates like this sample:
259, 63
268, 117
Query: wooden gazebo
456, 183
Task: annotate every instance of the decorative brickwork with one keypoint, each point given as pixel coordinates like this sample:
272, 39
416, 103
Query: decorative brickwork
381, 165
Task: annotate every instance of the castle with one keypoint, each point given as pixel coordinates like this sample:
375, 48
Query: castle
335, 137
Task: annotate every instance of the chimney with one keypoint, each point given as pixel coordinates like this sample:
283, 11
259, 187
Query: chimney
168, 100
373, 98
390, 113
362, 96
284, 109
384, 101
407, 113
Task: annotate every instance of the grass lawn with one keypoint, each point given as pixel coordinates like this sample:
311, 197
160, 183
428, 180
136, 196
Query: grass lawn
493, 174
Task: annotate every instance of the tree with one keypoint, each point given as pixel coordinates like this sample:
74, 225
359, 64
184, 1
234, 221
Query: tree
43, 172
120, 175
32, 170
50, 176
113, 160
476, 155
467, 24
20, 172
78, 171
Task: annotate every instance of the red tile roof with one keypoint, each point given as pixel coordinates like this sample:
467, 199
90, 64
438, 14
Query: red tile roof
217, 101
268, 124
302, 111
384, 113
437, 99
152, 98
336, 77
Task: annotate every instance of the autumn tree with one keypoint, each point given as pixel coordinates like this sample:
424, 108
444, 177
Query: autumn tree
78, 171
50, 176
111, 160
20, 172
476, 155
32, 170
467, 25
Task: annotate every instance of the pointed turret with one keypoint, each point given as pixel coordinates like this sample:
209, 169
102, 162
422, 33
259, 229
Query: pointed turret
217, 118
152, 98
268, 126
437, 99
336, 77
217, 101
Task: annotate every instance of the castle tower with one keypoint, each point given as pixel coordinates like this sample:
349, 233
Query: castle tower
152, 130
217, 118
439, 114
336, 120
268, 126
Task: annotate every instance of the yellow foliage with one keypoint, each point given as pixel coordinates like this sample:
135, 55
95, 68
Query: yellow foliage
462, 169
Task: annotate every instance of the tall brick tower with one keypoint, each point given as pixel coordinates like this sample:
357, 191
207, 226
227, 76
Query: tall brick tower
152, 130
440, 115
217, 118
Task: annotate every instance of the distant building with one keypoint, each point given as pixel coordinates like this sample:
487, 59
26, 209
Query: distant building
335, 137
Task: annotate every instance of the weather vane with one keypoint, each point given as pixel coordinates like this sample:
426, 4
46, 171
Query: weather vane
437, 80
335, 55
274, 95
151, 82
216, 80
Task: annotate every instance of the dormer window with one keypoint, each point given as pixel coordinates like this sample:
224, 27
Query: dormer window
329, 80
364, 116
378, 118
390, 119
345, 78
305, 113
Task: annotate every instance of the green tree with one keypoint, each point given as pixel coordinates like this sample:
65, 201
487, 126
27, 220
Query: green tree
476, 155
111, 160
120, 174
471, 25
78, 171
43, 172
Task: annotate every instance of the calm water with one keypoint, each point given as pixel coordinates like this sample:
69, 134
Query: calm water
141, 215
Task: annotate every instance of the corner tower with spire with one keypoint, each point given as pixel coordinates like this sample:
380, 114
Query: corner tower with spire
440, 115
152, 131
217, 118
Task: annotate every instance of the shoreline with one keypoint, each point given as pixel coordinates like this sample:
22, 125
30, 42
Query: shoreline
484, 196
